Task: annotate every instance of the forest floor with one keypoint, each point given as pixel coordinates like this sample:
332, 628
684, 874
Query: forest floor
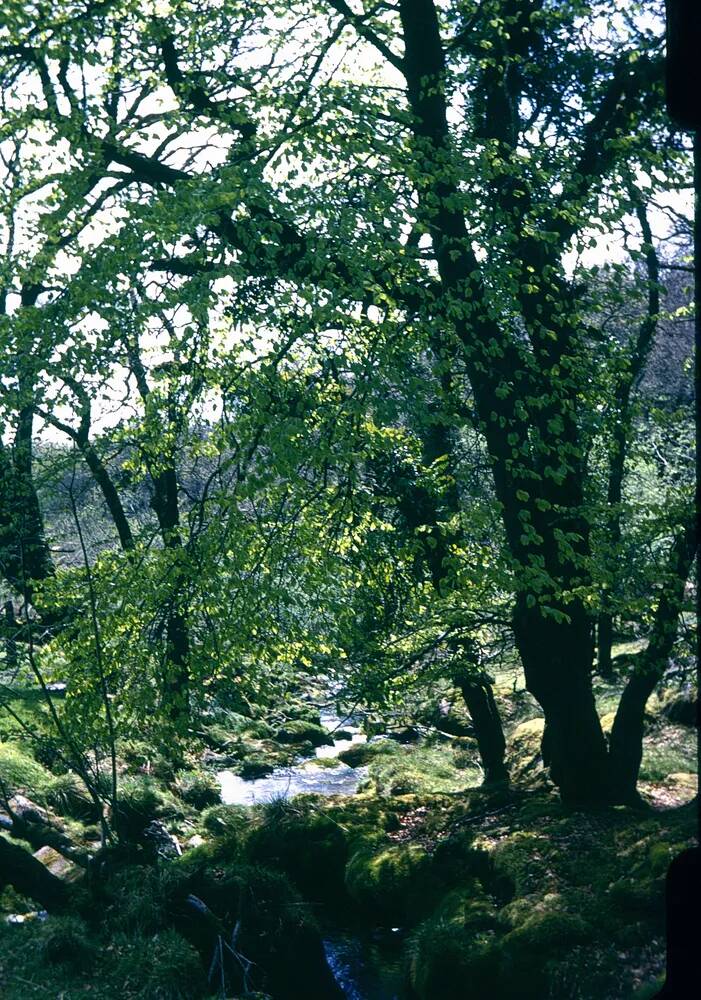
506, 891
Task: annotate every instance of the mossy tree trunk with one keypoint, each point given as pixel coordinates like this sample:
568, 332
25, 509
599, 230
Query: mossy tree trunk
479, 699
626, 740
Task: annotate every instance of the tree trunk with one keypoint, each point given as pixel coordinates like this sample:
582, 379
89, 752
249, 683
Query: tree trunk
36, 559
626, 741
10, 637
109, 492
479, 699
557, 660
176, 687
557, 657
604, 643
419, 508
24, 554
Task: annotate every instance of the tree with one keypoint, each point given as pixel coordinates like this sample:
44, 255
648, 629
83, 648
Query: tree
443, 187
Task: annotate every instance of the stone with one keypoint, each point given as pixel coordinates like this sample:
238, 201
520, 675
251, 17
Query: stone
164, 843
299, 731
407, 735
27, 810
254, 768
59, 866
682, 711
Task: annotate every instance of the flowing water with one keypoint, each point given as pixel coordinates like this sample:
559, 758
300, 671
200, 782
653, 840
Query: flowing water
365, 964
302, 778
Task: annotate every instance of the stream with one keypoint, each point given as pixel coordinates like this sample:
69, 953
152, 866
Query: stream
302, 778
365, 962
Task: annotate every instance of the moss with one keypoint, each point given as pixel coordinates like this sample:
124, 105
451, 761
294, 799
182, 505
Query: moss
523, 752
229, 823
638, 896
228, 727
660, 856
302, 712
393, 882
361, 754
456, 861
420, 770
308, 846
19, 772
530, 952
328, 762
452, 955
198, 788
255, 767
517, 862
300, 731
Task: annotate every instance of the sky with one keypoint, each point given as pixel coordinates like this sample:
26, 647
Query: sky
609, 248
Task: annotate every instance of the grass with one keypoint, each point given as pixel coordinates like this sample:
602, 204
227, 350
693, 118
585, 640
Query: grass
19, 772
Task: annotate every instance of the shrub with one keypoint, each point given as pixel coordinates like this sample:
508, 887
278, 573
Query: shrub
139, 802
198, 788
69, 797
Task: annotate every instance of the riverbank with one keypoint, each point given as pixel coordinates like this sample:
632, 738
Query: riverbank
406, 886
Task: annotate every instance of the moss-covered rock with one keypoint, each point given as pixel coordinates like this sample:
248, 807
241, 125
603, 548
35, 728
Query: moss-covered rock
255, 767
638, 896
361, 754
230, 727
524, 750
394, 882
529, 953
418, 770
300, 731
228, 823
681, 708
308, 846
199, 789
517, 861
452, 955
